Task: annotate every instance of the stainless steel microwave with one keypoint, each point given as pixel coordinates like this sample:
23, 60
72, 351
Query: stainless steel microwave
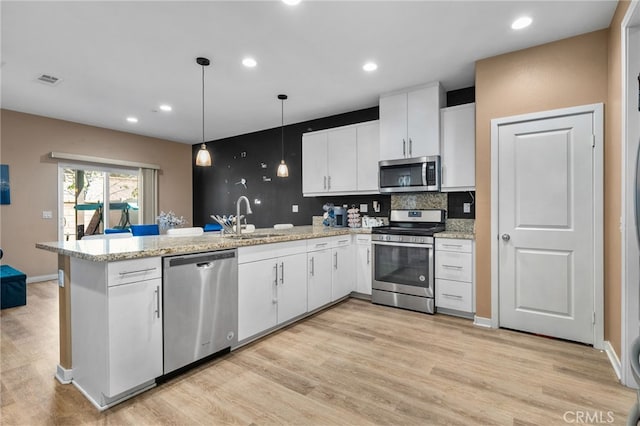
418, 174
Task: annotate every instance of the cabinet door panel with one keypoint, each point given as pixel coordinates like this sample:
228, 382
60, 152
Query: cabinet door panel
363, 268
257, 309
343, 277
458, 148
341, 163
368, 142
314, 163
393, 126
423, 122
292, 287
319, 281
135, 334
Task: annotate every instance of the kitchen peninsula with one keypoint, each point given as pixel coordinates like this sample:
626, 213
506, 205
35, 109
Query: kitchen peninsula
111, 297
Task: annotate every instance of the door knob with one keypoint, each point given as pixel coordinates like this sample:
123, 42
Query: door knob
506, 237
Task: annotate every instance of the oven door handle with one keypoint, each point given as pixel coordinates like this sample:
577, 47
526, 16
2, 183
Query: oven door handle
394, 244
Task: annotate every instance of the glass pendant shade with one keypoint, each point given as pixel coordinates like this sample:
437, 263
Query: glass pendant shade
283, 170
204, 158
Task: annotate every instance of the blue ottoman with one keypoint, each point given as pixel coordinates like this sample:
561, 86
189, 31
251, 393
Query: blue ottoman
13, 287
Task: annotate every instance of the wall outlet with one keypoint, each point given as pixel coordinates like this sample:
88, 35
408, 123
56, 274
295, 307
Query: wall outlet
47, 214
364, 208
466, 207
294, 208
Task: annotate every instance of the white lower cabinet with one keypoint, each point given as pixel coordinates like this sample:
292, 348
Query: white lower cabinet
342, 271
331, 273
363, 264
319, 258
272, 286
117, 327
454, 273
135, 334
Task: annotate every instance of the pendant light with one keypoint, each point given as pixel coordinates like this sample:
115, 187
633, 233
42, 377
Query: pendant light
203, 158
283, 170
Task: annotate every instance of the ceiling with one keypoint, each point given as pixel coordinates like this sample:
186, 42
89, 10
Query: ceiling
121, 58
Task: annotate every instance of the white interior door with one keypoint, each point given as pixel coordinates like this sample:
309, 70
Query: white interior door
546, 226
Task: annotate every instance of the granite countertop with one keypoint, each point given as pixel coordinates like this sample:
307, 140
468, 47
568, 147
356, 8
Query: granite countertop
462, 235
107, 250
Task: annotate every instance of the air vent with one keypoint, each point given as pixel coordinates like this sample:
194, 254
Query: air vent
48, 79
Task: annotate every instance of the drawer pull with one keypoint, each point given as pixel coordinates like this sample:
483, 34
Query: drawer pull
453, 267
343, 241
321, 244
452, 245
140, 271
453, 296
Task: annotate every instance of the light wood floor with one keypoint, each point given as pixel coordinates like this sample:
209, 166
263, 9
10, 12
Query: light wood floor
354, 364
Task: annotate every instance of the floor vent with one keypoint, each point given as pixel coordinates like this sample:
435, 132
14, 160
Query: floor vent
48, 79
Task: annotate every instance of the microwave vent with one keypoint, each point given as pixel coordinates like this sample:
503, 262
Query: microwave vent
48, 79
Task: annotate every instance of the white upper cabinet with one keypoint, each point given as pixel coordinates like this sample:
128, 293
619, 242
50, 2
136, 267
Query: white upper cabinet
410, 122
368, 145
314, 162
458, 148
342, 160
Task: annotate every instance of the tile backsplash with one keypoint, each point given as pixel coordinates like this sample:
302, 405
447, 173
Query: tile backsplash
419, 201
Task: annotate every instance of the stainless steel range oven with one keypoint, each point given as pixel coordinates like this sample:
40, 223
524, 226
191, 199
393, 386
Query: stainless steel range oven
403, 259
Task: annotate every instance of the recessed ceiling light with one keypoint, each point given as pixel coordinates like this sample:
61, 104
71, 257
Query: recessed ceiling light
521, 23
291, 2
370, 66
132, 119
165, 107
249, 62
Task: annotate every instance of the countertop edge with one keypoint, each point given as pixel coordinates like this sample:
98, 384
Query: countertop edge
168, 246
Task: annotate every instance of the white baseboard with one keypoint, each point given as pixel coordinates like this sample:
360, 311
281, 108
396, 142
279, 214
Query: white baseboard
613, 359
482, 322
41, 278
64, 375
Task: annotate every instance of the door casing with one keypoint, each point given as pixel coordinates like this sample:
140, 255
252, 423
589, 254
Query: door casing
598, 214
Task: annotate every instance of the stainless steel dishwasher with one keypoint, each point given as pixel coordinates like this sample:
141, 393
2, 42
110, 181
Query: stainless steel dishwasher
200, 300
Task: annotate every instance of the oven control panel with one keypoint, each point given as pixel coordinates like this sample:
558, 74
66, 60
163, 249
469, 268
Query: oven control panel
407, 239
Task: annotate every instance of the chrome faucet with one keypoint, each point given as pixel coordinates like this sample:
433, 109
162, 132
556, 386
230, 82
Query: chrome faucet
238, 226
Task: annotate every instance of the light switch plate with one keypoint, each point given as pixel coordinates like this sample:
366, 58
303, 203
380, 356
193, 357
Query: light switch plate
364, 208
47, 214
466, 207
294, 208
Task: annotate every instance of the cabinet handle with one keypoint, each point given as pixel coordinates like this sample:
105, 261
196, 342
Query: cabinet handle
329, 184
313, 272
368, 255
321, 244
282, 273
404, 148
276, 268
335, 260
452, 245
452, 267
453, 296
139, 271
157, 291
343, 241
275, 285
325, 182
410, 147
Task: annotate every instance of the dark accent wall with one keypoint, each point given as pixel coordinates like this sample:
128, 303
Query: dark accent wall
466, 95
455, 205
255, 158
